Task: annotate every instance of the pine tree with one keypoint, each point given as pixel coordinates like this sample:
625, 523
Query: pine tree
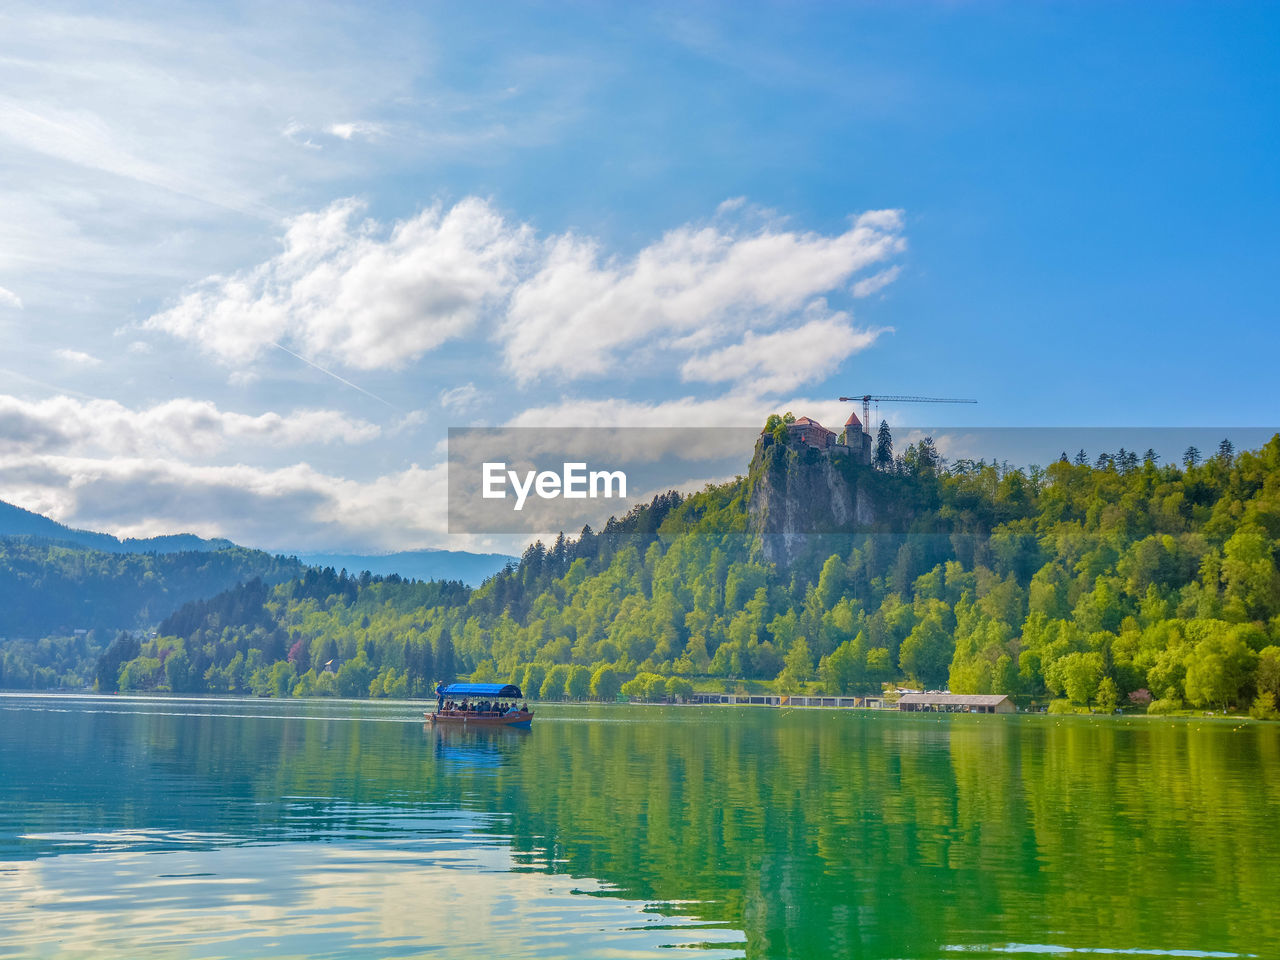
1191, 457
884, 446
446, 664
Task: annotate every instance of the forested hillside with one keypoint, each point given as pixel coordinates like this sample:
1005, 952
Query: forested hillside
1117, 581
60, 604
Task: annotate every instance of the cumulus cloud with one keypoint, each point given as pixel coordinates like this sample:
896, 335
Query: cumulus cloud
77, 357
581, 311
347, 291
356, 294
772, 363
178, 427
10, 299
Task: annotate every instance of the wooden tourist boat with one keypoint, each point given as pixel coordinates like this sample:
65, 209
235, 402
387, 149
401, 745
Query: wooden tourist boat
480, 705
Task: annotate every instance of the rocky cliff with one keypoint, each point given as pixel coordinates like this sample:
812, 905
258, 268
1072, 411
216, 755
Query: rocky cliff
799, 494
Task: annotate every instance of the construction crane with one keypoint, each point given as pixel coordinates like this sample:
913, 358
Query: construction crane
868, 399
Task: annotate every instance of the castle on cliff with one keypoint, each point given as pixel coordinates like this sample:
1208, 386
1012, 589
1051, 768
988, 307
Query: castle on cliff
857, 441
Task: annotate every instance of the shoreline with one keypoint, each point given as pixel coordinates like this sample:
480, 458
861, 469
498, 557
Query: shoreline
165, 697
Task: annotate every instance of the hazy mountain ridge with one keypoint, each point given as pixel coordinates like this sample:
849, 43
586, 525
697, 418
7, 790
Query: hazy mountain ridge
18, 522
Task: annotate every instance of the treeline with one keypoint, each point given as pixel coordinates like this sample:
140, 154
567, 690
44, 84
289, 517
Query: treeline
326, 633
1113, 580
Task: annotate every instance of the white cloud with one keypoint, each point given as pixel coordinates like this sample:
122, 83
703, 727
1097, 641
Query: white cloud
180, 427
347, 131
771, 363
355, 294
9, 299
580, 312
459, 398
77, 357
344, 291
875, 283
296, 507
734, 409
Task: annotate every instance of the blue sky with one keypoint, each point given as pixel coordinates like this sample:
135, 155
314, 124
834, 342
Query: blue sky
617, 215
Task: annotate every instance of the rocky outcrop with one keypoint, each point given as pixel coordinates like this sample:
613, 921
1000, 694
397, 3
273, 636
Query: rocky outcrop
798, 492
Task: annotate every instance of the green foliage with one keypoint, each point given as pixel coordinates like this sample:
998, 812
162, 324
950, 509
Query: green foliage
927, 651
1108, 696
1217, 669
52, 589
1264, 707
606, 683
1088, 583
678, 688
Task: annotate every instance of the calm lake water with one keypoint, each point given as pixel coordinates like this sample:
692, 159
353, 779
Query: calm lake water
249, 828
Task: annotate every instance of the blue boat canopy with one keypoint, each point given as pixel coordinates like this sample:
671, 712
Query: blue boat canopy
479, 690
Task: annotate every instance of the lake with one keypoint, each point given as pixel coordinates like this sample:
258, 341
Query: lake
190, 828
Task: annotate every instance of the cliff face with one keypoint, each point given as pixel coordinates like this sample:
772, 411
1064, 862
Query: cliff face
797, 493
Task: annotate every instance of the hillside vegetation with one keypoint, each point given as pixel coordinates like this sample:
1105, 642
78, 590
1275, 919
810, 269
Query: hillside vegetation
61, 603
1121, 581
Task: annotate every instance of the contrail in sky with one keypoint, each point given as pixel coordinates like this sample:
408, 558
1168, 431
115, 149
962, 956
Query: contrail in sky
330, 373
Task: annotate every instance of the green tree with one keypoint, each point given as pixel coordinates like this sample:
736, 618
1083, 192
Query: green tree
1264, 707
177, 670
1004, 677
282, 677
445, 660
841, 670
578, 685
534, 675
1108, 695
884, 446
797, 665
678, 688
605, 683
1077, 675
554, 683
1217, 669
926, 653
1267, 675
140, 673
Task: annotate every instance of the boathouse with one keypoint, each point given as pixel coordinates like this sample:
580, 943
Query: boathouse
957, 703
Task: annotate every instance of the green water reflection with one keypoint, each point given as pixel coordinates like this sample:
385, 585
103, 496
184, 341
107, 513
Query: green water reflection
250, 828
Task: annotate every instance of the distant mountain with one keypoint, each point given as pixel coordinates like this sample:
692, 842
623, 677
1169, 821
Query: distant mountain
471, 568
17, 522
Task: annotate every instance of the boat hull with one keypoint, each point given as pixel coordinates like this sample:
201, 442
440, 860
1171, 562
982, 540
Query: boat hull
523, 720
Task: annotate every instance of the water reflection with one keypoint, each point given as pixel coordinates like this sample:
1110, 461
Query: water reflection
814, 834
214, 899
